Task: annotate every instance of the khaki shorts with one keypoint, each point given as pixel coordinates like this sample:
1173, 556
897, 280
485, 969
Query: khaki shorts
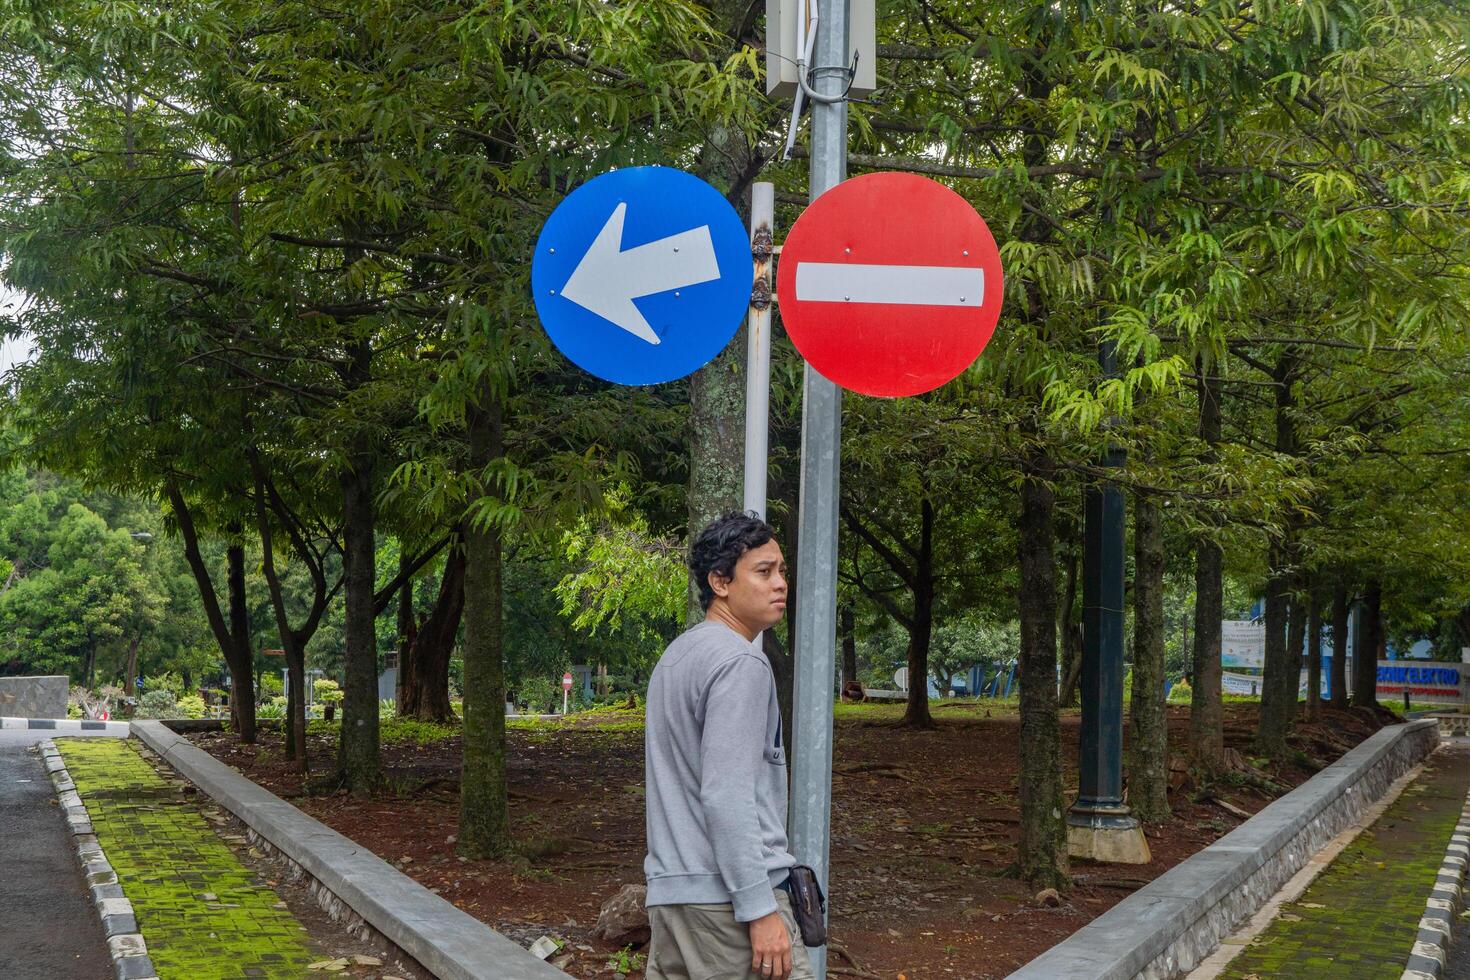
704, 942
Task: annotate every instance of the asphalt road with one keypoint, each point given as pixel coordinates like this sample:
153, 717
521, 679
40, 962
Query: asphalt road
48, 925
1458, 967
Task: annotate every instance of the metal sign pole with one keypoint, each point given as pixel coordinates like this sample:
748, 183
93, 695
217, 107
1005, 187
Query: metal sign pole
758, 348
816, 567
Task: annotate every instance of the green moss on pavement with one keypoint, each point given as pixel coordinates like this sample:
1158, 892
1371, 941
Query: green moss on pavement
1359, 918
203, 914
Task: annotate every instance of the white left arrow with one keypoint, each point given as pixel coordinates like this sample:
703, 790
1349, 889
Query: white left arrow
608, 279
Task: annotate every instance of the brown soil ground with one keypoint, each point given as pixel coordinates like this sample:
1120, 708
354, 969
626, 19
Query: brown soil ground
924, 828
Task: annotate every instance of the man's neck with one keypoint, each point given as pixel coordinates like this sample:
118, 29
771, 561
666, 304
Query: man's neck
719, 612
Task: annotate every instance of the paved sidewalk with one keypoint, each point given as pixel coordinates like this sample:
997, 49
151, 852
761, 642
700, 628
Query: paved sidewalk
1360, 917
203, 914
48, 927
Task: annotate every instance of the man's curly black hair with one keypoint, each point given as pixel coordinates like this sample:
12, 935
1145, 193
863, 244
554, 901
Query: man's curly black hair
720, 545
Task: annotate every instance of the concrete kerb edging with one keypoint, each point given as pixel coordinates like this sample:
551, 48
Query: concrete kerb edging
447, 942
1167, 927
1437, 926
124, 943
62, 726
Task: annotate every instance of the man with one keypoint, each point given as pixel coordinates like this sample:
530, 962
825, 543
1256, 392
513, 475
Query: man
716, 780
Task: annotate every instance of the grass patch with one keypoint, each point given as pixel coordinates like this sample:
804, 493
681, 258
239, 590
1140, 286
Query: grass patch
603, 718
411, 731
524, 724
879, 711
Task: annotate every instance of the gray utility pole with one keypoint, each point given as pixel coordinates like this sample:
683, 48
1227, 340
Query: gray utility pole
821, 455
1099, 824
758, 348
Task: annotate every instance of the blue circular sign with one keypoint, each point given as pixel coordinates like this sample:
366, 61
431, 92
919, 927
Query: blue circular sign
642, 275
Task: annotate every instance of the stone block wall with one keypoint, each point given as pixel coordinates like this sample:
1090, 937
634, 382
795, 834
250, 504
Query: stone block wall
33, 697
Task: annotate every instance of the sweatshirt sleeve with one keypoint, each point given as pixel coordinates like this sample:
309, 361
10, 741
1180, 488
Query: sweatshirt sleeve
731, 752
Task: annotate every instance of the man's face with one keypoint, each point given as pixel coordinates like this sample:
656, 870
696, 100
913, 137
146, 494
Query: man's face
756, 596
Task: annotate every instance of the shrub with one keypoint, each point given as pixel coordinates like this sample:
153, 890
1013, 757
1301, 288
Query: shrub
158, 703
167, 681
328, 691
192, 706
539, 694
272, 710
270, 685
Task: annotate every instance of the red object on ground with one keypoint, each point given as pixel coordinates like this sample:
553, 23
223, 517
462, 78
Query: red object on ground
890, 284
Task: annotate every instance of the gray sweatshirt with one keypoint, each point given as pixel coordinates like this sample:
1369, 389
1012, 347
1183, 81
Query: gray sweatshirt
716, 779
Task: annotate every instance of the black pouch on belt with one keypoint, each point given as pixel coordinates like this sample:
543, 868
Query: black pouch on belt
808, 905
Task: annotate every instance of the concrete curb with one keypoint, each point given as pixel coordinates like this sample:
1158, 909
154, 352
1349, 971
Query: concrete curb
1437, 926
129, 953
62, 726
447, 942
1167, 927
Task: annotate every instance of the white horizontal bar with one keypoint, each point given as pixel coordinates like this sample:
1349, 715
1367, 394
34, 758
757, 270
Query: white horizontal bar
899, 285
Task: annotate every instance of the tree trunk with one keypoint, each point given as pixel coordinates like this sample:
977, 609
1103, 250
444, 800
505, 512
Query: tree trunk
1314, 653
1281, 678
1279, 674
1206, 710
484, 820
1041, 858
717, 390
293, 641
782, 655
433, 644
403, 686
242, 709
295, 721
1339, 646
1296, 640
1148, 750
1069, 631
848, 632
1365, 657
783, 666
296, 708
358, 759
1071, 644
716, 446
921, 631
129, 682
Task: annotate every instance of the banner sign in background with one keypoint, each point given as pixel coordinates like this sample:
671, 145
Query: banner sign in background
1242, 644
1240, 684
1243, 656
1440, 683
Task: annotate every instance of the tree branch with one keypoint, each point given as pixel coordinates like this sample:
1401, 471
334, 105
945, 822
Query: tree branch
385, 595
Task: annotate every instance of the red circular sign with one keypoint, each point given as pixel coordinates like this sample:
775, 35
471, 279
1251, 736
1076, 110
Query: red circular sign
889, 284
566, 681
